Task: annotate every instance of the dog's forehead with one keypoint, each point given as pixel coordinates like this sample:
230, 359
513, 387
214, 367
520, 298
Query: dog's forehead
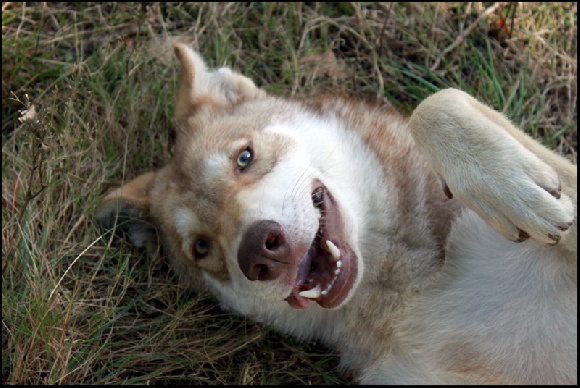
204, 167
211, 162
201, 177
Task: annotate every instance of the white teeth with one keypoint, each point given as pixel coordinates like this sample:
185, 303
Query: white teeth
333, 250
316, 292
312, 294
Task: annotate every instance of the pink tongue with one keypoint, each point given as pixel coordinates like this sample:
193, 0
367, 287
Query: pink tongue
297, 301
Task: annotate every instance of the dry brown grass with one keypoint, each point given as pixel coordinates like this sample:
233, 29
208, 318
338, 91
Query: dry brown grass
80, 307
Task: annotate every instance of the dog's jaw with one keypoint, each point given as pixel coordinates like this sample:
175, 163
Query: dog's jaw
328, 271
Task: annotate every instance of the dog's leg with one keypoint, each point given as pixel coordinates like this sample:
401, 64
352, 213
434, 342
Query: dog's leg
512, 182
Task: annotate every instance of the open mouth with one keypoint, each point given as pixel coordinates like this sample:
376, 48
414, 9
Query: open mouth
328, 270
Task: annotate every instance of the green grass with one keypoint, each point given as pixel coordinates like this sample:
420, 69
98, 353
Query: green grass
79, 307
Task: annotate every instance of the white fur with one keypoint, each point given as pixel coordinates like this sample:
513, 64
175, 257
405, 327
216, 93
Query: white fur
185, 220
486, 278
215, 167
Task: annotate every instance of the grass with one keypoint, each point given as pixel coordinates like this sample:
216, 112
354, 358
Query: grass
79, 307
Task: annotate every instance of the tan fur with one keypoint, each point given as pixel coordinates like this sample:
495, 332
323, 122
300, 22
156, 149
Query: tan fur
137, 191
437, 292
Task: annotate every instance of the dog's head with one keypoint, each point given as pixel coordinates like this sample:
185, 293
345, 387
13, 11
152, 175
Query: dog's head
250, 205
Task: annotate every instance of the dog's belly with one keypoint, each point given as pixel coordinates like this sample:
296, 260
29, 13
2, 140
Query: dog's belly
499, 312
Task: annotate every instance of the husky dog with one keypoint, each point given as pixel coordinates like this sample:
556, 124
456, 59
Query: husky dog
436, 248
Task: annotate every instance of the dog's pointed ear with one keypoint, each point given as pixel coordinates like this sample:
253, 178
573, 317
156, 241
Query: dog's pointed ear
201, 88
127, 211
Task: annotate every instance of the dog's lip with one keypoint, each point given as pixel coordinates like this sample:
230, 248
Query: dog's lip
331, 231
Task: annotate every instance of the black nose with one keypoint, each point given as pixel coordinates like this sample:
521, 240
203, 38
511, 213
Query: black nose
264, 251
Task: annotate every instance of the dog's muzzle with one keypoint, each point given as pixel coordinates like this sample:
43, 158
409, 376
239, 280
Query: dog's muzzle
323, 271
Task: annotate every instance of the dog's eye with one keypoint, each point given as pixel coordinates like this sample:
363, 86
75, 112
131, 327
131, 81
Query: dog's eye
244, 159
201, 247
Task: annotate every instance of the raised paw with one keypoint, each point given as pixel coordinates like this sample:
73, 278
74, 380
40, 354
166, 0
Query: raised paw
480, 164
517, 206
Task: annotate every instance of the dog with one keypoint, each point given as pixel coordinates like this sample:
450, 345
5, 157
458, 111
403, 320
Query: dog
431, 249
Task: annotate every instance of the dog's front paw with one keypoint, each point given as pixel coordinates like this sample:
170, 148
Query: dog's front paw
483, 166
520, 199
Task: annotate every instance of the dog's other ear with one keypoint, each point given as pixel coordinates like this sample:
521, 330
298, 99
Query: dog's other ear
202, 88
126, 210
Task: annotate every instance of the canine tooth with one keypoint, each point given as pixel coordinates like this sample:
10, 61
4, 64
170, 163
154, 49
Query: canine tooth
311, 294
339, 264
333, 250
337, 271
324, 292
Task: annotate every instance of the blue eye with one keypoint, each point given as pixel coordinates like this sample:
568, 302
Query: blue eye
244, 159
201, 247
